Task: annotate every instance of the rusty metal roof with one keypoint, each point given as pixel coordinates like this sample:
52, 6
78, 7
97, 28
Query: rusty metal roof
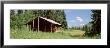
51, 21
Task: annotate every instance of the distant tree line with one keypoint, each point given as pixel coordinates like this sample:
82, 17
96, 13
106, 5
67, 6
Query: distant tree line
86, 27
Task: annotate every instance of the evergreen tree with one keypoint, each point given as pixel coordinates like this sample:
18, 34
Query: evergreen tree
96, 22
23, 16
94, 27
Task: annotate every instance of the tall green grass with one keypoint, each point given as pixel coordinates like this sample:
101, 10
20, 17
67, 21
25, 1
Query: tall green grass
25, 33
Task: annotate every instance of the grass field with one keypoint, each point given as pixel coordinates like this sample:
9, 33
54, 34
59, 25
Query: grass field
65, 34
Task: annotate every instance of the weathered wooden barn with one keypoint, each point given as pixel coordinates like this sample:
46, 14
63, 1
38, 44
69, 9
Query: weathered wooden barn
44, 25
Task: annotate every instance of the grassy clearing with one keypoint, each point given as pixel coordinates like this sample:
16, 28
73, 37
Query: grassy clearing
65, 34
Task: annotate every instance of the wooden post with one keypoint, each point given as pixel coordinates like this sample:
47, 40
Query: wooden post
45, 26
38, 24
56, 29
33, 24
29, 27
51, 27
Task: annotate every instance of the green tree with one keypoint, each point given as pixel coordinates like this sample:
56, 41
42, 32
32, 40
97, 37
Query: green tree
94, 27
24, 16
96, 22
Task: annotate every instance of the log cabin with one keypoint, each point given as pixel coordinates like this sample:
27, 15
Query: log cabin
44, 25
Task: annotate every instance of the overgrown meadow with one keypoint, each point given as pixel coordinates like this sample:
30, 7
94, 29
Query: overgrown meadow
24, 33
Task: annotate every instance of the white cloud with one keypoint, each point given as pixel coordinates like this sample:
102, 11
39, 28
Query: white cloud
79, 19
